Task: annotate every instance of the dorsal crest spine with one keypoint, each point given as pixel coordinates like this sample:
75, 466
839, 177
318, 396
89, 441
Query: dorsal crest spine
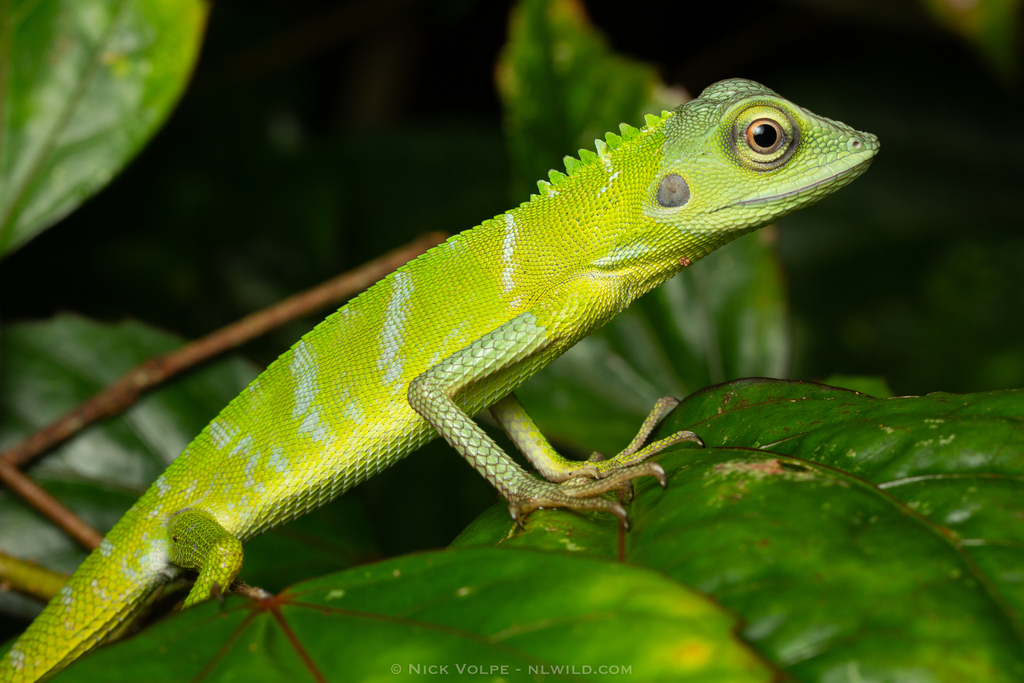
586, 157
628, 131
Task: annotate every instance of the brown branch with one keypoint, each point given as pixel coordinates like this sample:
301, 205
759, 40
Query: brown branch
127, 389
34, 495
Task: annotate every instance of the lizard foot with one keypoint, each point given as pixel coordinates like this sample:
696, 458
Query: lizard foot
598, 466
582, 495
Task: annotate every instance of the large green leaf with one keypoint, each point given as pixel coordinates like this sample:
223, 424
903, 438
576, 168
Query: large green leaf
484, 613
50, 367
724, 317
859, 538
956, 459
83, 85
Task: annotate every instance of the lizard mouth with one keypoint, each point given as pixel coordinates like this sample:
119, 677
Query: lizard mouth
853, 171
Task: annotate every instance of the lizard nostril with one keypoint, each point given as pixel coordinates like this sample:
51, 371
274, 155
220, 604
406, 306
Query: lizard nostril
856, 144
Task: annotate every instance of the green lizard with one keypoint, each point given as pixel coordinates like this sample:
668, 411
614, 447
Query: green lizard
454, 332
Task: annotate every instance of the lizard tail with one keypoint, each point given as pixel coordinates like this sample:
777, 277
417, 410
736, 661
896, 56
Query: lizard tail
111, 585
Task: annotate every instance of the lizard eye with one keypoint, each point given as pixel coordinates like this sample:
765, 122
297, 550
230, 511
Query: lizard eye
765, 136
673, 191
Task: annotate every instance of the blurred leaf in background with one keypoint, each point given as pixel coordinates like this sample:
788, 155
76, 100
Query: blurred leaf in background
992, 25
83, 85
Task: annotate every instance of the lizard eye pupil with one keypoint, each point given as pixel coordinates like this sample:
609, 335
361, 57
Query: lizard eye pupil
673, 191
765, 136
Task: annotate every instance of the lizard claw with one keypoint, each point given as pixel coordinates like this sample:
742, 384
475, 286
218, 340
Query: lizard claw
217, 593
658, 472
514, 513
686, 435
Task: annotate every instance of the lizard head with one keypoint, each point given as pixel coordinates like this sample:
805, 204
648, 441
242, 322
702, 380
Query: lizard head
740, 156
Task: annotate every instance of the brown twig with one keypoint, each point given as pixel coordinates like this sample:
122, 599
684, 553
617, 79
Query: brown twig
34, 495
126, 390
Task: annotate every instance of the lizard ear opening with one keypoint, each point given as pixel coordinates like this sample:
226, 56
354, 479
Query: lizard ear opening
673, 191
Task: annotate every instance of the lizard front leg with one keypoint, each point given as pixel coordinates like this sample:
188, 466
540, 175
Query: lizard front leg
432, 393
525, 434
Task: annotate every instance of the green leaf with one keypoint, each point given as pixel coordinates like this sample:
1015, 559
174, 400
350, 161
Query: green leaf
859, 538
510, 614
722, 318
47, 368
83, 85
